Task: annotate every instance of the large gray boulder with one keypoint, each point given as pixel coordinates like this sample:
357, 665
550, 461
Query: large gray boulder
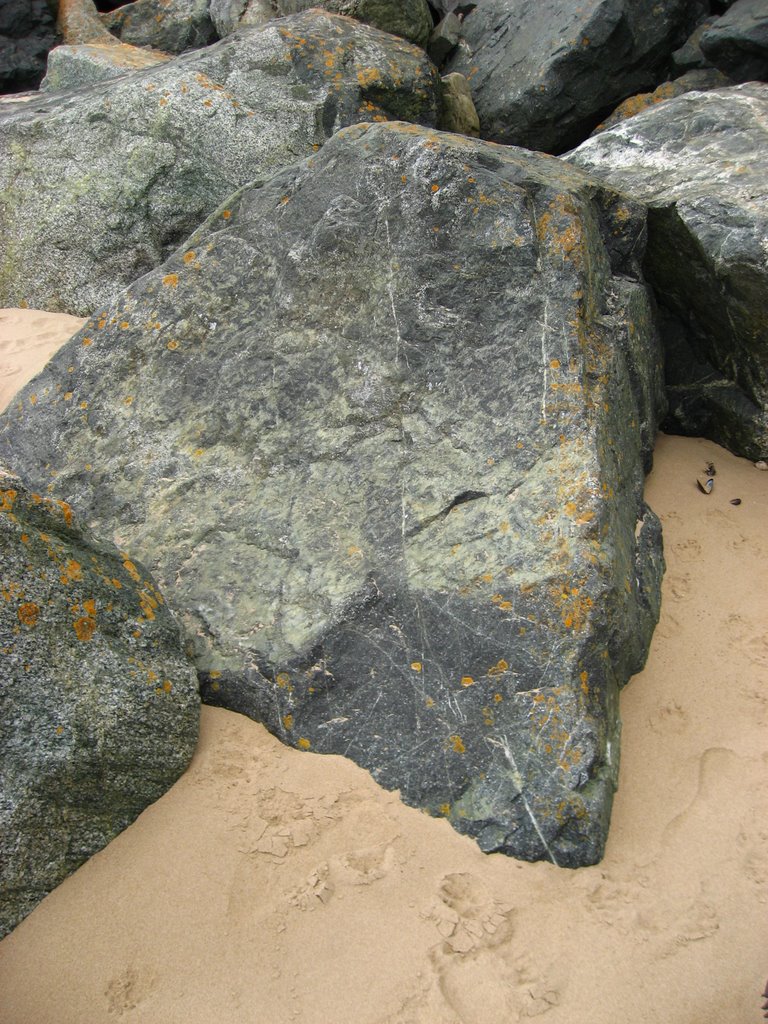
410, 19
99, 705
544, 74
701, 164
171, 25
99, 185
379, 427
737, 43
72, 67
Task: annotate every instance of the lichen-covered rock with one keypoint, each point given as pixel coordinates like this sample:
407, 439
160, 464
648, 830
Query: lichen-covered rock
544, 74
228, 15
700, 80
407, 18
170, 25
737, 43
71, 67
78, 22
27, 32
100, 185
701, 164
379, 427
99, 704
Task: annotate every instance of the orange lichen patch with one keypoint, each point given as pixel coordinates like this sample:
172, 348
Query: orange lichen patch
354, 551
584, 677
500, 667
554, 364
25, 538
7, 498
282, 679
215, 674
71, 572
27, 614
128, 400
33, 399
83, 405
190, 256
487, 716
167, 685
226, 214
303, 743
467, 681
505, 606
287, 721
504, 526
148, 603
84, 627
429, 702
455, 548
10, 591
487, 577
68, 395
87, 341
416, 666
284, 200
171, 280
435, 188
498, 698
131, 569
172, 345
368, 76
457, 744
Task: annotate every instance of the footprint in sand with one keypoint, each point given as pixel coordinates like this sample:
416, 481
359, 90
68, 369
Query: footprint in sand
677, 586
128, 989
356, 868
687, 550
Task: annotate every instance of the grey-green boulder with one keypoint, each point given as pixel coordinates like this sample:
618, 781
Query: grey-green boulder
700, 162
99, 704
72, 67
410, 19
544, 74
171, 25
228, 15
99, 185
379, 427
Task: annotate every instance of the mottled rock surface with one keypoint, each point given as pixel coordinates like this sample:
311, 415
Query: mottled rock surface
700, 80
737, 43
459, 114
72, 67
170, 25
228, 15
690, 57
410, 19
701, 164
99, 704
27, 32
99, 186
379, 427
544, 74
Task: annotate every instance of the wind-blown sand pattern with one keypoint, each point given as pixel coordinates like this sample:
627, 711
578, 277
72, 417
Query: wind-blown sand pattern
279, 886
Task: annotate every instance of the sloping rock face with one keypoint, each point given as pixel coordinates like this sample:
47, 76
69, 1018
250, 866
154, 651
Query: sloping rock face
543, 75
97, 187
27, 32
227, 15
410, 19
701, 164
171, 25
380, 429
71, 67
737, 43
99, 704
701, 80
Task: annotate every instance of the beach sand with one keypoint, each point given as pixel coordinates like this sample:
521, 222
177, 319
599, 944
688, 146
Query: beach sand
276, 886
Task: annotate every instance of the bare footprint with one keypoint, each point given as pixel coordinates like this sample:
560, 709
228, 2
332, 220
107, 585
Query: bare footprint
688, 550
129, 988
678, 586
468, 916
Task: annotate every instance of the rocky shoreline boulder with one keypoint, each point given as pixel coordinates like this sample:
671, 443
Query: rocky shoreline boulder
97, 186
99, 705
701, 165
380, 427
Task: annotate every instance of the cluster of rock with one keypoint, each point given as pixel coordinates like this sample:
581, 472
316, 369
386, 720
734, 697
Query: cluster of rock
373, 400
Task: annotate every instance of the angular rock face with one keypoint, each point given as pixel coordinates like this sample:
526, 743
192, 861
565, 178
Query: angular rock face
737, 43
27, 32
407, 18
380, 427
171, 25
99, 704
701, 165
544, 74
99, 186
701, 80
227, 15
72, 67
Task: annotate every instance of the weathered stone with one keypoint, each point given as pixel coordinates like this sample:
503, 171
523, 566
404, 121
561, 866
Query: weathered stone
544, 74
701, 80
379, 427
27, 32
98, 186
99, 704
71, 67
407, 18
458, 114
737, 43
444, 38
701, 164
171, 25
78, 22
228, 15
690, 57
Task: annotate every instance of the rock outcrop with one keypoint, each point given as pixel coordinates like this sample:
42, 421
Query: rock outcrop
700, 80
99, 186
544, 75
27, 33
701, 164
99, 704
72, 67
379, 429
170, 25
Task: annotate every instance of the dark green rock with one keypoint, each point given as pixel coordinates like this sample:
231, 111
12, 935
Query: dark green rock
544, 74
410, 19
99, 704
700, 164
170, 25
380, 428
99, 185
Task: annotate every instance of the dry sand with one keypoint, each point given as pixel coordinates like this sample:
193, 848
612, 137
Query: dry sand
275, 886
